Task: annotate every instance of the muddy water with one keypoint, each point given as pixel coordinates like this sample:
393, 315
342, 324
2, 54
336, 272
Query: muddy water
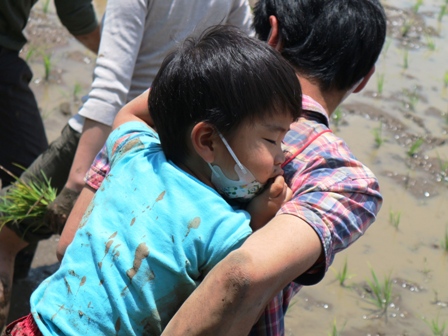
405, 101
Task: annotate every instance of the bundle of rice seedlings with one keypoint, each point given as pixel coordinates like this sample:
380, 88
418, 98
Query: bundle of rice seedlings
25, 200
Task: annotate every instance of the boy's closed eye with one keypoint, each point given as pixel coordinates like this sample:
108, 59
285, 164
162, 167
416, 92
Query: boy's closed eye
274, 142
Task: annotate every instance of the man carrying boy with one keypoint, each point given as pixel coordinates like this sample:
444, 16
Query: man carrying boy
333, 45
147, 239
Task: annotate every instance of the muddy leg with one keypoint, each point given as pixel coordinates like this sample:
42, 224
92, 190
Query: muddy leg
5, 296
10, 245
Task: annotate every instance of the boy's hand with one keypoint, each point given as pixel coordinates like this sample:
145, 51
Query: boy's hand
264, 206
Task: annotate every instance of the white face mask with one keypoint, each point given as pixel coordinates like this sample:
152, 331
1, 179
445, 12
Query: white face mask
243, 189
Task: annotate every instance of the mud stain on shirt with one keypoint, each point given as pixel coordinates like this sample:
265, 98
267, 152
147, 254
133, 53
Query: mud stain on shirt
107, 248
69, 290
130, 145
118, 325
160, 197
193, 224
141, 253
60, 308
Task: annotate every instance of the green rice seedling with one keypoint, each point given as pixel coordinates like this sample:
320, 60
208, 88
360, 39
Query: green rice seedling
47, 65
46, 6
293, 302
444, 242
380, 83
26, 200
426, 270
442, 12
413, 100
342, 276
386, 46
442, 163
76, 91
417, 6
406, 28
378, 134
430, 43
31, 51
394, 218
380, 293
445, 80
337, 117
406, 59
436, 328
415, 147
334, 330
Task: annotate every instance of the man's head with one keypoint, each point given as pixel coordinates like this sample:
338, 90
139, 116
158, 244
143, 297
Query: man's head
223, 78
334, 43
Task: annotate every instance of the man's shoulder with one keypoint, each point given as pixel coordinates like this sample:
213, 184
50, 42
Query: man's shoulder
312, 149
306, 137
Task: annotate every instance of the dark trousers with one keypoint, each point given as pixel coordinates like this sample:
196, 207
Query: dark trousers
22, 133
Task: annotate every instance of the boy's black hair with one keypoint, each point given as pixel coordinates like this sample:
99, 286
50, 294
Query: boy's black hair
224, 77
333, 43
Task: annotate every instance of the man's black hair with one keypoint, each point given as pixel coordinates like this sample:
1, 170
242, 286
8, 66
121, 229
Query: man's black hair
224, 77
333, 43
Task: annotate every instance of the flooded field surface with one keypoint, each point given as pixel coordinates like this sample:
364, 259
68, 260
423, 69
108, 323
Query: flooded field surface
394, 280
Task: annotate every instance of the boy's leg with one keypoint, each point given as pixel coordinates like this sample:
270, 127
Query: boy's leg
9, 246
23, 262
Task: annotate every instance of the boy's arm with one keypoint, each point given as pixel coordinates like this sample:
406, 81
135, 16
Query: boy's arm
264, 206
135, 110
74, 219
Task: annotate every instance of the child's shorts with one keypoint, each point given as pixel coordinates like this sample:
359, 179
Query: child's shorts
24, 326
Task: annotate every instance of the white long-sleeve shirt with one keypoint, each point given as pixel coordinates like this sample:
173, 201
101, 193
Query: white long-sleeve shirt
136, 37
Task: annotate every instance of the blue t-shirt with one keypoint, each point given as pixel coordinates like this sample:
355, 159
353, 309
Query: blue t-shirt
148, 237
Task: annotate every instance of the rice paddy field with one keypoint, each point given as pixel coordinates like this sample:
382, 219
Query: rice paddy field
392, 281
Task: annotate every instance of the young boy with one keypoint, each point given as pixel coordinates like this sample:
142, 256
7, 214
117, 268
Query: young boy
221, 106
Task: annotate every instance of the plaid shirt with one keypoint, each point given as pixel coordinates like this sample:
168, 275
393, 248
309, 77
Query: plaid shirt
332, 191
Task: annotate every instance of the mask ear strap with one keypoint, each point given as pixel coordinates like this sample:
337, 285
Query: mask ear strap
243, 169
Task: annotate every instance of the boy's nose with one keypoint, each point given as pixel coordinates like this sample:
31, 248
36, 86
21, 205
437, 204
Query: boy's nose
279, 158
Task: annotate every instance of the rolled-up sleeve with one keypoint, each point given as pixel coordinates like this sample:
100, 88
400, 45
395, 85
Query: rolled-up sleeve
98, 170
78, 16
335, 194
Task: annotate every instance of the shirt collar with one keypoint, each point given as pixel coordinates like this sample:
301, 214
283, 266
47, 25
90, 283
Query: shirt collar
309, 104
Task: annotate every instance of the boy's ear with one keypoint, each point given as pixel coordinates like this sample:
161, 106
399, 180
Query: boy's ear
364, 81
203, 139
274, 39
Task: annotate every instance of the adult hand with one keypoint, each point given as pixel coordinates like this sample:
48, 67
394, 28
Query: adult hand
58, 211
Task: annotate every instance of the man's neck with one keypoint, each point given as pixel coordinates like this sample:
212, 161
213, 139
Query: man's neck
329, 99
